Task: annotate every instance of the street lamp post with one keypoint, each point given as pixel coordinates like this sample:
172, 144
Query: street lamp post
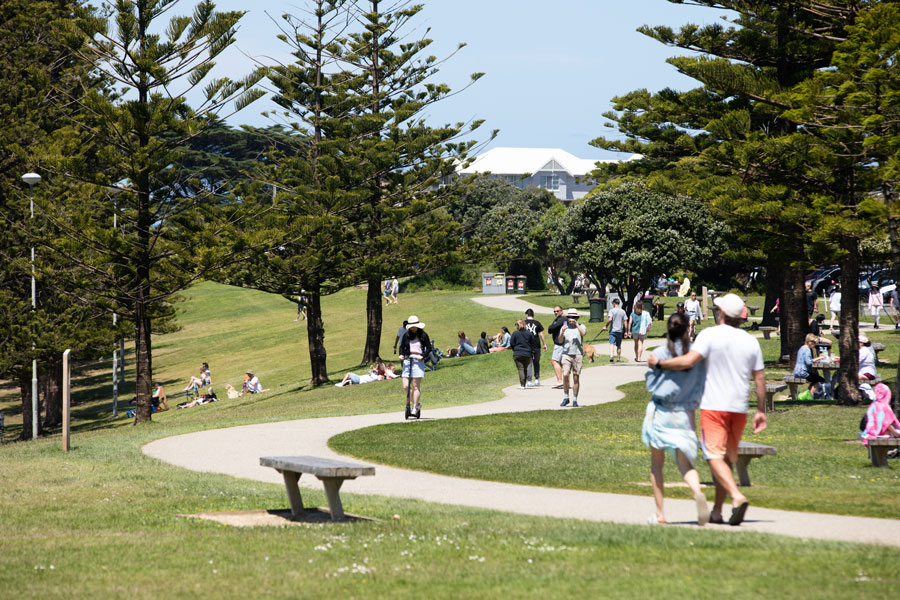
115, 361
31, 179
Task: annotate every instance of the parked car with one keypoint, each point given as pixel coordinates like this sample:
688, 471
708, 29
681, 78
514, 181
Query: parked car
824, 282
885, 279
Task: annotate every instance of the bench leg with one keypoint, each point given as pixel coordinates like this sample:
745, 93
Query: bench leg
332, 488
879, 455
743, 474
770, 401
766, 334
793, 390
293, 492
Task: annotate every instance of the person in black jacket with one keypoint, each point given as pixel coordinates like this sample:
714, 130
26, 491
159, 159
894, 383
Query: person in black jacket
414, 346
521, 343
483, 346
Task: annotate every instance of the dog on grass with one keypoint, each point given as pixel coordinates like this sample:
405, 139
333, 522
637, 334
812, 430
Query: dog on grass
231, 392
589, 351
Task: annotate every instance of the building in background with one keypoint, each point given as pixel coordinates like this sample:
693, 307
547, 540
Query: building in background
555, 170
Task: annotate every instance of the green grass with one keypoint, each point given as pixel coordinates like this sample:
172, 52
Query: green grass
106, 517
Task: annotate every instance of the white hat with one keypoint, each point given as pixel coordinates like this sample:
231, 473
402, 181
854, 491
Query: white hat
572, 313
863, 339
732, 306
413, 321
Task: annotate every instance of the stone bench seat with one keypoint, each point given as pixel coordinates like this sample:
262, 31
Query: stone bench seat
792, 384
768, 330
878, 449
330, 472
772, 388
752, 309
747, 451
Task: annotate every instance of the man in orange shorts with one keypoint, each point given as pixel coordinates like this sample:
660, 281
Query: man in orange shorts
732, 356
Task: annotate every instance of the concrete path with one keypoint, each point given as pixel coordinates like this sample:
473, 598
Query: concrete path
236, 451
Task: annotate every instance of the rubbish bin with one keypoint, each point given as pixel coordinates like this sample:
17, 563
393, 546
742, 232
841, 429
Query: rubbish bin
598, 305
493, 283
510, 284
520, 283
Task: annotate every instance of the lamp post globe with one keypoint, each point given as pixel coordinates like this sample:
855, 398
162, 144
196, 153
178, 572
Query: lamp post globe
31, 178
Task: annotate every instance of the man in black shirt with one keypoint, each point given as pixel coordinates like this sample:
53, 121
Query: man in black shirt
553, 330
537, 331
812, 301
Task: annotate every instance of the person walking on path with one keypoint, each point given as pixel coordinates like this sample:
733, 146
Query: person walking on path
669, 421
732, 356
538, 341
834, 305
812, 301
521, 344
556, 358
615, 321
639, 325
893, 309
570, 336
693, 309
414, 347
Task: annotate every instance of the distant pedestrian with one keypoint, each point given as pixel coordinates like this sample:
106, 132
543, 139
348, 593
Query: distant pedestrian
301, 306
893, 308
812, 301
571, 336
834, 305
733, 357
400, 333
554, 329
876, 303
615, 321
694, 311
538, 342
639, 325
521, 343
669, 424
395, 289
414, 347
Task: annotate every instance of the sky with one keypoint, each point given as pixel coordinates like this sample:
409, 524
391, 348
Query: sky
551, 69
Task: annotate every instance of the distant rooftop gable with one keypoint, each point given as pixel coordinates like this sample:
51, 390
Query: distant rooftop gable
516, 161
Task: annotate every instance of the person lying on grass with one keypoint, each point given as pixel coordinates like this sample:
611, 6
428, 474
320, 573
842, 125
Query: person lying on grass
209, 396
372, 376
669, 424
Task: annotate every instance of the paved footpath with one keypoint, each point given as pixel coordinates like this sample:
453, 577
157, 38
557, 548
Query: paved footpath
236, 451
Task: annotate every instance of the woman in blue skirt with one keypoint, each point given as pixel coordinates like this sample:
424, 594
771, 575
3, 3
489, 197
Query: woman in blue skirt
669, 422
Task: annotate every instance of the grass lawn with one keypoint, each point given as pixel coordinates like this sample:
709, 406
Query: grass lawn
102, 521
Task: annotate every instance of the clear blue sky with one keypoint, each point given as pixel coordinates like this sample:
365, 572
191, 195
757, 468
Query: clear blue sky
550, 68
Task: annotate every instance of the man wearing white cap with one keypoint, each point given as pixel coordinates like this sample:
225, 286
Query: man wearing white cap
570, 336
732, 357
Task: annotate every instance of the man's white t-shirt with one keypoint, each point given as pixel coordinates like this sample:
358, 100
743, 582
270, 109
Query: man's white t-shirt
693, 308
731, 356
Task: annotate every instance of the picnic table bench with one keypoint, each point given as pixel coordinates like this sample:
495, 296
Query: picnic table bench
752, 309
772, 388
768, 330
876, 348
878, 449
747, 451
792, 383
332, 474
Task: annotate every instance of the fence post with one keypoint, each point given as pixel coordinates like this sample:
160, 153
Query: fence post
66, 398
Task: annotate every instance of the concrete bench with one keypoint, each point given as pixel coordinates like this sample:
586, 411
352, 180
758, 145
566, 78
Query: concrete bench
876, 348
772, 388
752, 310
768, 330
576, 296
792, 383
878, 449
331, 473
747, 451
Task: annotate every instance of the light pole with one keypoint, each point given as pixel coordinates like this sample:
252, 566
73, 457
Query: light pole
31, 179
115, 365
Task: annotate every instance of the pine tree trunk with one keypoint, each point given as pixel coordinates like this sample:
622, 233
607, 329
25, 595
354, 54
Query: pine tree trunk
895, 265
794, 316
25, 391
848, 391
315, 333
53, 394
373, 322
143, 364
774, 286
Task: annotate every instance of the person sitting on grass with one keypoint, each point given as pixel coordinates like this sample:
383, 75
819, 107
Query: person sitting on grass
502, 340
866, 359
803, 368
251, 384
159, 397
196, 382
881, 422
465, 345
483, 346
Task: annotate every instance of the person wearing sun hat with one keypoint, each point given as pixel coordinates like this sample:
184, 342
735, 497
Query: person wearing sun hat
733, 357
570, 337
414, 346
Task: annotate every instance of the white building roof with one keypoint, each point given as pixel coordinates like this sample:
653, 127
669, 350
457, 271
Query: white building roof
517, 161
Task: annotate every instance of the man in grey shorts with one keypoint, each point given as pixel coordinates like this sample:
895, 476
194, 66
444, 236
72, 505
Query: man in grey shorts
616, 323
